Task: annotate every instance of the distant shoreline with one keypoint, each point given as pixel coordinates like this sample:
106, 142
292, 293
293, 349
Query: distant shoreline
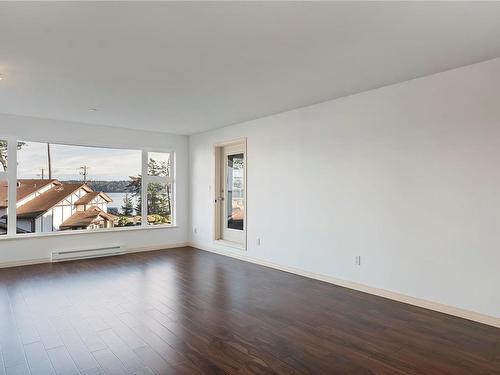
120, 186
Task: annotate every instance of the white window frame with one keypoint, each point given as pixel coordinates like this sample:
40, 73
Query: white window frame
11, 177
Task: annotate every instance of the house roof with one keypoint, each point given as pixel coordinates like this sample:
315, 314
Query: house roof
87, 198
25, 187
48, 199
85, 218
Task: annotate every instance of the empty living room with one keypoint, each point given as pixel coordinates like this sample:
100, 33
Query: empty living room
249, 187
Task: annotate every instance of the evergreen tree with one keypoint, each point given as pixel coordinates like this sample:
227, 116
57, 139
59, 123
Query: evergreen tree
128, 206
158, 201
158, 196
134, 187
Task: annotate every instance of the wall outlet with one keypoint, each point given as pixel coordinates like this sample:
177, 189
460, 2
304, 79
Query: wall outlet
357, 260
258, 241
195, 230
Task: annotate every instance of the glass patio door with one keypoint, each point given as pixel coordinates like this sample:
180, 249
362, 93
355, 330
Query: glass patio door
233, 207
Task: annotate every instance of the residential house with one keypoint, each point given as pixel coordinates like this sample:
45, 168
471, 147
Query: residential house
50, 205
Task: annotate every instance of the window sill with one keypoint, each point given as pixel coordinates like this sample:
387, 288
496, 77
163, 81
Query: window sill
78, 232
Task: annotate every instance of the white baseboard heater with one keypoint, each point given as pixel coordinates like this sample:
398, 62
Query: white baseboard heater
61, 256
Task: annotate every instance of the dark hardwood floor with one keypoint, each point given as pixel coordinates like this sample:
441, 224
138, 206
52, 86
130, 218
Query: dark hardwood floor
185, 311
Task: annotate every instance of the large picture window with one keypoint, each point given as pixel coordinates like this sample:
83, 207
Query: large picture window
63, 188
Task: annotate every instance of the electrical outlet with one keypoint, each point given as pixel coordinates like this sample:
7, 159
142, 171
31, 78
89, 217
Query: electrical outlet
195, 230
357, 260
258, 241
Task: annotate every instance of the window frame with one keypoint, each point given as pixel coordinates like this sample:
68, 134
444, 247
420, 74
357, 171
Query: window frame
11, 177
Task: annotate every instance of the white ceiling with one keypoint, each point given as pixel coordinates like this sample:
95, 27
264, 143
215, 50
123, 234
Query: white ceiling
188, 67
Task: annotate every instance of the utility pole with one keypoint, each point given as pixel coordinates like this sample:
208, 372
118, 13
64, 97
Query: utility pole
84, 171
50, 161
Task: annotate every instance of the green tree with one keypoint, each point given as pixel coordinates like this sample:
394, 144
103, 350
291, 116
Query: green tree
3, 153
128, 206
134, 187
158, 196
158, 201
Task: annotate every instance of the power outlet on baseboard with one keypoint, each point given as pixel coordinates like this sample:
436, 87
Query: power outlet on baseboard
357, 260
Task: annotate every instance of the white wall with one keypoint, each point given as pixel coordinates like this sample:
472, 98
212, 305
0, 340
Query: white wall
29, 128
407, 176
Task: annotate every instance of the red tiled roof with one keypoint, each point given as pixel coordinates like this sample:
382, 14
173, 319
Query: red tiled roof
87, 198
25, 187
84, 218
48, 199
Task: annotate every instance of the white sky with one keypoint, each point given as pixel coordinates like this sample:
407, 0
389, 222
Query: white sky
104, 164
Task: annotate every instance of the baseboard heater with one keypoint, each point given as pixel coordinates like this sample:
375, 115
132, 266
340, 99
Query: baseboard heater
61, 256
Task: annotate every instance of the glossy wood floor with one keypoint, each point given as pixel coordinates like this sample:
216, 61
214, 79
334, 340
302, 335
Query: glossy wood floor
185, 311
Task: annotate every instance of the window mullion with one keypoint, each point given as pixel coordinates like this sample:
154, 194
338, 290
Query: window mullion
173, 201
158, 179
12, 186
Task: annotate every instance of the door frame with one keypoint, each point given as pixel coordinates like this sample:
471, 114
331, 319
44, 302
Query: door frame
218, 228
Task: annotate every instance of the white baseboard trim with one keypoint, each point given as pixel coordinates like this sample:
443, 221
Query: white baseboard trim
446, 309
158, 247
29, 262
